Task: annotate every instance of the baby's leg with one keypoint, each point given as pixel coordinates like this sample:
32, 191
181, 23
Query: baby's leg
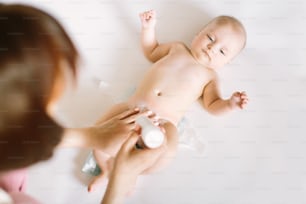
104, 160
172, 143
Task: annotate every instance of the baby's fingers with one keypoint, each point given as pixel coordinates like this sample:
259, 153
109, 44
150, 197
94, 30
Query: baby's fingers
152, 13
243, 104
142, 18
244, 99
236, 94
243, 95
147, 15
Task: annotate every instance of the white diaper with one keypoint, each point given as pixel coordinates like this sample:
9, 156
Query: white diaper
188, 137
90, 166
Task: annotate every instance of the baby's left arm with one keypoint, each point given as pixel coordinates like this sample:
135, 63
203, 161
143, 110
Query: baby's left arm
216, 105
152, 49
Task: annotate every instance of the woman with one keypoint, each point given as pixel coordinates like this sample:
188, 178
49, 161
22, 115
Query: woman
35, 52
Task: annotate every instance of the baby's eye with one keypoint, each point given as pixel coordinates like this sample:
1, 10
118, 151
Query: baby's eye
222, 52
210, 38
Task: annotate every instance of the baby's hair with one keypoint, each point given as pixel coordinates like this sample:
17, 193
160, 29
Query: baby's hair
236, 24
33, 45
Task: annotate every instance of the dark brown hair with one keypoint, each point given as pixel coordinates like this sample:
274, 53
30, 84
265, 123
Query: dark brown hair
32, 46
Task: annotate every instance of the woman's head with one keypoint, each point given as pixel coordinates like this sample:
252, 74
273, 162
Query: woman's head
33, 46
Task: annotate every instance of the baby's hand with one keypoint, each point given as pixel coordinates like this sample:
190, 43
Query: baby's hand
239, 100
148, 19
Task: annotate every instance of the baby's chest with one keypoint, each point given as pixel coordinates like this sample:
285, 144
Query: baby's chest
183, 71
184, 80
180, 69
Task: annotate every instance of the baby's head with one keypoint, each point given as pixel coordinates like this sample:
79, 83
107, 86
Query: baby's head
218, 42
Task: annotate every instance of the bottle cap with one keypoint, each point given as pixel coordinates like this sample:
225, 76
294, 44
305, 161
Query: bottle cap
151, 135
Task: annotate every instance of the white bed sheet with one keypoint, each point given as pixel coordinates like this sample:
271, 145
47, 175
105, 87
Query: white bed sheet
254, 156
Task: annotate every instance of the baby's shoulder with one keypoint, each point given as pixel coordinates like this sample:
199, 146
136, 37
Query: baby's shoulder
209, 74
213, 76
179, 45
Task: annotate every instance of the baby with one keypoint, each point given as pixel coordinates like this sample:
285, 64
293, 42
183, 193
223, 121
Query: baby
179, 76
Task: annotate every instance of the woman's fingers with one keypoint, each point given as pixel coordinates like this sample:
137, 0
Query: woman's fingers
131, 141
127, 113
131, 126
130, 116
147, 157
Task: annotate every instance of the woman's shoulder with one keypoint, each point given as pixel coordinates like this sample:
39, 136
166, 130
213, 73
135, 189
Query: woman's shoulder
5, 198
15, 198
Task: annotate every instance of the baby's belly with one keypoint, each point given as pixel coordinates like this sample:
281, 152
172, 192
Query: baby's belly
168, 107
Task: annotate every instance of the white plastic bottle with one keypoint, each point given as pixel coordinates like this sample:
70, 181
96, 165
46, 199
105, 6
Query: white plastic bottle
151, 135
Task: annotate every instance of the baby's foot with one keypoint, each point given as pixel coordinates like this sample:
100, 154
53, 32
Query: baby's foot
96, 182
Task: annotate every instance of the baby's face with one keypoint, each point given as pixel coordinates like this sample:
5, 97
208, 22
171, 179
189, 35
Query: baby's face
216, 45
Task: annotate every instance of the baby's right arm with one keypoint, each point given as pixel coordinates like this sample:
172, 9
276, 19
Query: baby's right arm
150, 46
216, 105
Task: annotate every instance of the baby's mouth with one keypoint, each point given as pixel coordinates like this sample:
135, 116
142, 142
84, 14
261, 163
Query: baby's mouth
206, 53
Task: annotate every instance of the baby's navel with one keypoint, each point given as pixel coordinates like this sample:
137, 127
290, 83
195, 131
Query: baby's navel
157, 92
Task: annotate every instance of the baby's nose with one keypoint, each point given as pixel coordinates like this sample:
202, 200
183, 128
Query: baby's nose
211, 48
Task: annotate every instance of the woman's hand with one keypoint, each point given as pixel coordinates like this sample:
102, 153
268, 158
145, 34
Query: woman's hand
108, 135
129, 163
132, 161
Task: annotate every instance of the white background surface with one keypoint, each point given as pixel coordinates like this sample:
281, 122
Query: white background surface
255, 156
